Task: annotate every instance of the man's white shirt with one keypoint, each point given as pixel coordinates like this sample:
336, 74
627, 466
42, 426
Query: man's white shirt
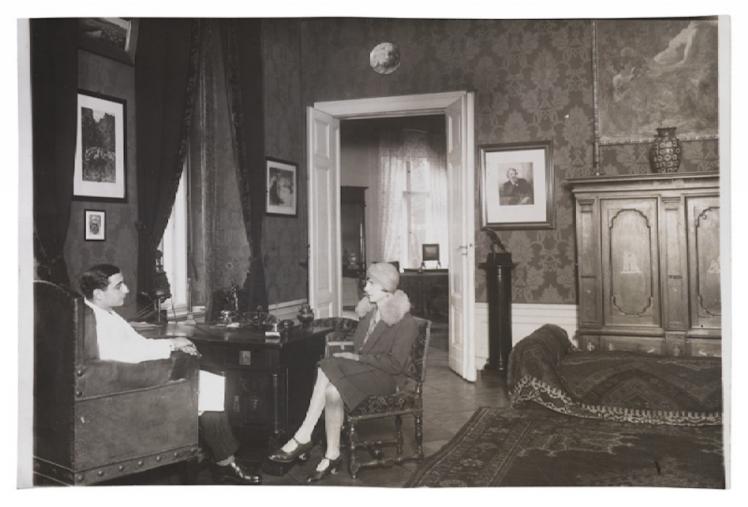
118, 341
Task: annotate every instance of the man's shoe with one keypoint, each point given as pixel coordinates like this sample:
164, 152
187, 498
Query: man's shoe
234, 473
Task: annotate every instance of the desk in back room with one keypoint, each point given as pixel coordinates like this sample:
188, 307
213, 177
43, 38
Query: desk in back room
428, 291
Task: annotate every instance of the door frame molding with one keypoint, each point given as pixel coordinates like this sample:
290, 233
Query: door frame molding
420, 105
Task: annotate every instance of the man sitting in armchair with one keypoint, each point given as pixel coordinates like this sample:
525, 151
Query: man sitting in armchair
104, 288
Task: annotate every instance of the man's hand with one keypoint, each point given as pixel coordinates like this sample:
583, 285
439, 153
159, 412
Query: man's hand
185, 345
346, 355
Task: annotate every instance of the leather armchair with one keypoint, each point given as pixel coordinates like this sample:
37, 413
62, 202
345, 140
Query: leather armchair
99, 420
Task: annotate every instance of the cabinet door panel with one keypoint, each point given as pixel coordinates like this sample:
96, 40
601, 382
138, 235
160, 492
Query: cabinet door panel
630, 262
704, 262
588, 265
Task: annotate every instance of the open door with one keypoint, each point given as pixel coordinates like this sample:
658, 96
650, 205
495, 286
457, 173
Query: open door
460, 160
325, 262
324, 216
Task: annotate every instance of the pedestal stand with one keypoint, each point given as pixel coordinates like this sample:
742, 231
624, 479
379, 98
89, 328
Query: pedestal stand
498, 267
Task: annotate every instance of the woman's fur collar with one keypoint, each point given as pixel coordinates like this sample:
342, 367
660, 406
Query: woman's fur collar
392, 309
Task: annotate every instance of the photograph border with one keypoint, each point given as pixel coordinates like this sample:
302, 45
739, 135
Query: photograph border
488, 150
104, 48
102, 191
273, 210
86, 235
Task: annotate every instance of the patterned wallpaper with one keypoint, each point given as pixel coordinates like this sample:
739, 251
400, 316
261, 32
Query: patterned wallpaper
284, 239
108, 77
532, 81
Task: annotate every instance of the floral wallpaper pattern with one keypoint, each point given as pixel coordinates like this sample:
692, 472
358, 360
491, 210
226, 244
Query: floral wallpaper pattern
532, 81
284, 239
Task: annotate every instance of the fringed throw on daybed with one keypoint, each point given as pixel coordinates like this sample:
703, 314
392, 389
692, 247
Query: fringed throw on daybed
618, 386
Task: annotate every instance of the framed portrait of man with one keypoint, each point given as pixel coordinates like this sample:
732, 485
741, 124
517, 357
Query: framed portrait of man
517, 185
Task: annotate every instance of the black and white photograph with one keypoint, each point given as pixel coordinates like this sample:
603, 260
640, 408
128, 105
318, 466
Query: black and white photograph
114, 38
95, 224
378, 253
100, 169
281, 188
517, 185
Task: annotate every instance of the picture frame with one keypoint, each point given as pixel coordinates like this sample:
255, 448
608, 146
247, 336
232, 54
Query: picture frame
100, 160
655, 73
281, 191
430, 252
94, 225
517, 185
115, 38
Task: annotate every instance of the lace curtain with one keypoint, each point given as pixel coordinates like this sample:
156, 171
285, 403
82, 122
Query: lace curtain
412, 196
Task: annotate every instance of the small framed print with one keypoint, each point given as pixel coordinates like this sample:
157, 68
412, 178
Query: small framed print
94, 222
430, 252
281, 194
517, 185
100, 170
115, 38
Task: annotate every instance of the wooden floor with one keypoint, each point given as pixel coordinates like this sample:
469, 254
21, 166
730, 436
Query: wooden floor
449, 401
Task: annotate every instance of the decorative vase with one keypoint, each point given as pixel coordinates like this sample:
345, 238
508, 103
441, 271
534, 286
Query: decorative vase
306, 315
665, 153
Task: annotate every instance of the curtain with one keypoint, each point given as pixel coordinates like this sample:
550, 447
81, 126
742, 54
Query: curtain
165, 82
412, 196
243, 65
392, 185
54, 84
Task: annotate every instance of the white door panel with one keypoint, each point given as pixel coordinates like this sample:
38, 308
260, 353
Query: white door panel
461, 232
324, 219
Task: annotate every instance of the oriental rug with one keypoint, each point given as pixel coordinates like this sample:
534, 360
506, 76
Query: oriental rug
500, 447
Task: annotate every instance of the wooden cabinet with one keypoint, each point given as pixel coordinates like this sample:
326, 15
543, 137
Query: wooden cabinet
648, 263
428, 291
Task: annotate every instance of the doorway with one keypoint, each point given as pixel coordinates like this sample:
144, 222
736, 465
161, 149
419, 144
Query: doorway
326, 254
393, 209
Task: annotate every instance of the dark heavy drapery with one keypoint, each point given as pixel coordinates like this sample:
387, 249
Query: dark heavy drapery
54, 84
165, 82
241, 40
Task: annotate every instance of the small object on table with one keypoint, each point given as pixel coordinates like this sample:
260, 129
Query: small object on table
306, 315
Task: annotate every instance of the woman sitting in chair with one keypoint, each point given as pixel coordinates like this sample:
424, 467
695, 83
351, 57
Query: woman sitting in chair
383, 341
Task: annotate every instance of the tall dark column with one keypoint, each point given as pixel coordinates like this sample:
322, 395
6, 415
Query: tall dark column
498, 267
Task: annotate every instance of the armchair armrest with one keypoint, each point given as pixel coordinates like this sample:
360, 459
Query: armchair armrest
97, 377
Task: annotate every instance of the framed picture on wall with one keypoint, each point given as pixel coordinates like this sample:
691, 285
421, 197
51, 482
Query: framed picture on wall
100, 170
281, 195
94, 223
114, 38
517, 185
430, 252
653, 73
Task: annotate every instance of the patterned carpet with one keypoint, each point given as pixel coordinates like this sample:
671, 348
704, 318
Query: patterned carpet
500, 447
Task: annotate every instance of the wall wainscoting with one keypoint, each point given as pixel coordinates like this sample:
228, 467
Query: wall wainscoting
526, 318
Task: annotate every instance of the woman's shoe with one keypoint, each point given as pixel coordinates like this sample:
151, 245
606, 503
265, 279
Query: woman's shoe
281, 456
331, 468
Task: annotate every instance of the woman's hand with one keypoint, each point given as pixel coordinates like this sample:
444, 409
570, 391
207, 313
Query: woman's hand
346, 355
